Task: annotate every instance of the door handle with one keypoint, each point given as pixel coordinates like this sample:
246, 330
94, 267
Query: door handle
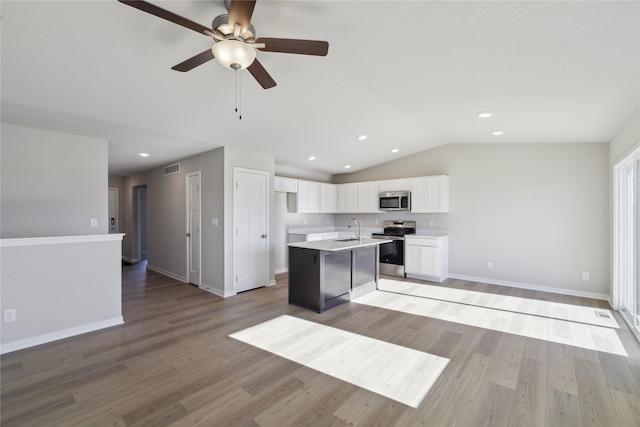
188, 234
264, 236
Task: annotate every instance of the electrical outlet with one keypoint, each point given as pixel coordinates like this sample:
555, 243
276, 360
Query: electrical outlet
430, 223
10, 315
585, 275
214, 221
94, 222
490, 265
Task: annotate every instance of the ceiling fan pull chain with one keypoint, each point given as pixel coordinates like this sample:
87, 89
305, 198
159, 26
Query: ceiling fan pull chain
236, 72
238, 94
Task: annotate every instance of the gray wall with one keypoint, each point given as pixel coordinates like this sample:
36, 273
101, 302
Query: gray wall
539, 212
52, 183
74, 288
166, 218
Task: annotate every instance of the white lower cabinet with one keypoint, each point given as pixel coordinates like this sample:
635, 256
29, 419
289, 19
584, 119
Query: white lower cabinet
426, 257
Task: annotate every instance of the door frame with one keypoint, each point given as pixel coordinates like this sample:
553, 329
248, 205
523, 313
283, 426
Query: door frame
138, 223
618, 231
237, 170
188, 240
117, 209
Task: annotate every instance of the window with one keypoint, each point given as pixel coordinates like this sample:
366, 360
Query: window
626, 280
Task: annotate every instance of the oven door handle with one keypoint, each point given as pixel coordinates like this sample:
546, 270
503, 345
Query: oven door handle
388, 237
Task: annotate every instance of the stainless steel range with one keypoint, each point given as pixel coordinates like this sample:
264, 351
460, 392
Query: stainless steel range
392, 253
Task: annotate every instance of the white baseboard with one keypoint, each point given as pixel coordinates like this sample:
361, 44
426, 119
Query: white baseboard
130, 260
216, 291
272, 282
58, 335
561, 291
280, 270
182, 279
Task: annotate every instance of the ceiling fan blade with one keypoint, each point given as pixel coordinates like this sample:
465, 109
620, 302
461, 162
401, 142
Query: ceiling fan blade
165, 14
240, 12
260, 74
193, 62
303, 47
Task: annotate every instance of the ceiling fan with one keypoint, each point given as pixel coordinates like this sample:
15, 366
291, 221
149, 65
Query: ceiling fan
235, 42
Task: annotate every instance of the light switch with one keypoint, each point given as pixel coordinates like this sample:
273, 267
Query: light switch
94, 222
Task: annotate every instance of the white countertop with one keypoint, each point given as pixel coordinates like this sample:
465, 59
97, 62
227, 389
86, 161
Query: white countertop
331, 229
336, 245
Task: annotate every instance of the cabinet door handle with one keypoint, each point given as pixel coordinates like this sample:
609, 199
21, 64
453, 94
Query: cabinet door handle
188, 234
264, 236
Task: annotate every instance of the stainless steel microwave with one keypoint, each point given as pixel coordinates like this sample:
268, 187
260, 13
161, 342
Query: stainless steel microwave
394, 201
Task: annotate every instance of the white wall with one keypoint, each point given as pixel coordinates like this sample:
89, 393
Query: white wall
52, 183
539, 212
626, 139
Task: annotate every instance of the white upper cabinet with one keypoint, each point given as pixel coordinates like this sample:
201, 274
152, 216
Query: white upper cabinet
287, 185
308, 197
358, 197
395, 185
328, 198
368, 196
347, 197
430, 194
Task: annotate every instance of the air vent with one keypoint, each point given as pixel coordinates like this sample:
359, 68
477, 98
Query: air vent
602, 313
171, 169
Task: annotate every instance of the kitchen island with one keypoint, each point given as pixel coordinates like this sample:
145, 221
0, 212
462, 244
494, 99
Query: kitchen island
325, 273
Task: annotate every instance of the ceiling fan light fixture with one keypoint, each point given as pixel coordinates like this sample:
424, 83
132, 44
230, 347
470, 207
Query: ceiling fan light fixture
234, 54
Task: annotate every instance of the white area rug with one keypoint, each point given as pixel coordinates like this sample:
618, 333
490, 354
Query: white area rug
399, 373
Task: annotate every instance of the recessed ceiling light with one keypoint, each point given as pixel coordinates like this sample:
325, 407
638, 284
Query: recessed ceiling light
311, 158
362, 137
497, 132
485, 114
143, 154
395, 150
347, 166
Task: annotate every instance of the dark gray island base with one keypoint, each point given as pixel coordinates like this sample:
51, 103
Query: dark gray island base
323, 274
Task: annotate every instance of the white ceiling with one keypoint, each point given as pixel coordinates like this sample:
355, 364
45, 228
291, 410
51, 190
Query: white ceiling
411, 75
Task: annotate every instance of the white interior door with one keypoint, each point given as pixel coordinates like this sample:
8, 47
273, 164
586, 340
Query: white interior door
113, 210
250, 237
193, 228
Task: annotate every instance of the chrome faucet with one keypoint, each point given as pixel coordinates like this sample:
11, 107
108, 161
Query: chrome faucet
359, 233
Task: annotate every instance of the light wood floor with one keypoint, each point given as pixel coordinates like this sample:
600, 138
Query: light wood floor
173, 363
